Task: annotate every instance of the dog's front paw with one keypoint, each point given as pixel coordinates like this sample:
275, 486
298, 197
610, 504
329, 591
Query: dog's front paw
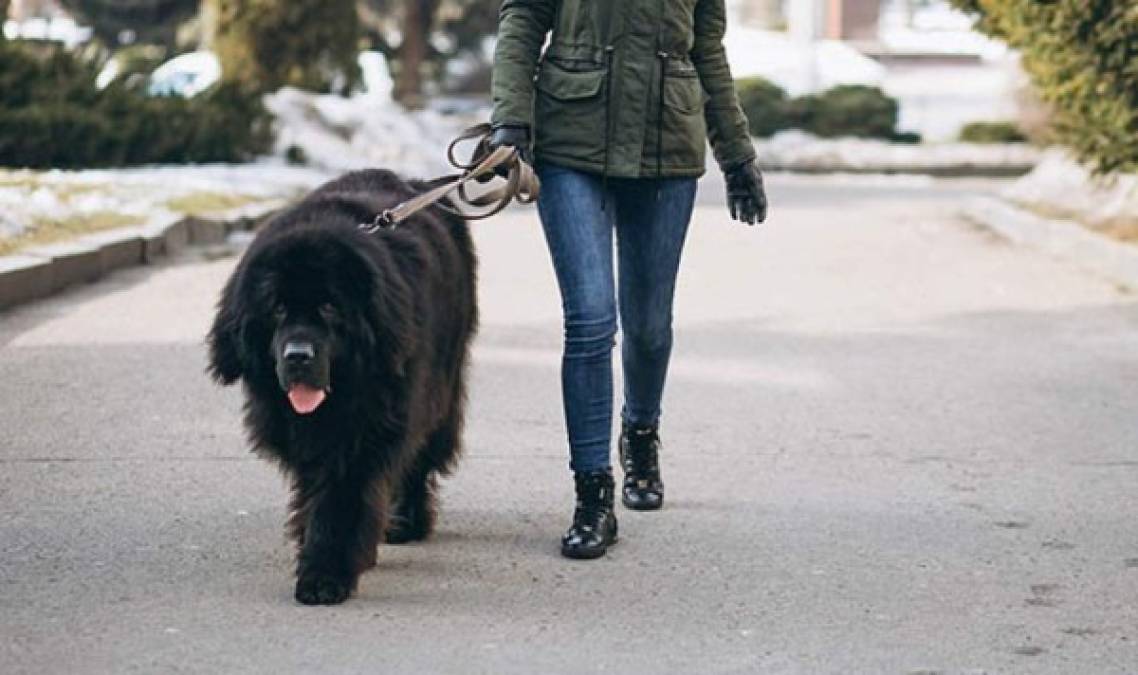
321, 588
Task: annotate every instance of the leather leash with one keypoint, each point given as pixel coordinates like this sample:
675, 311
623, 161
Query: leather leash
522, 183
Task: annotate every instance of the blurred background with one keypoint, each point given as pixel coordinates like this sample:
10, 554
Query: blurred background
942, 87
342, 84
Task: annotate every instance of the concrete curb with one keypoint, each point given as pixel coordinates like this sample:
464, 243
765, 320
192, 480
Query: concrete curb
962, 170
24, 278
42, 271
1063, 239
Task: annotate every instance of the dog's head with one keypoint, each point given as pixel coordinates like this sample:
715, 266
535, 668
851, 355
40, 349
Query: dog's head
308, 315
305, 341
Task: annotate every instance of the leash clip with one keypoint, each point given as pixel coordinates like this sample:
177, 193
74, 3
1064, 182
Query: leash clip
382, 221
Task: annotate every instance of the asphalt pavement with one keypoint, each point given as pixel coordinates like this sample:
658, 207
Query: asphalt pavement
893, 444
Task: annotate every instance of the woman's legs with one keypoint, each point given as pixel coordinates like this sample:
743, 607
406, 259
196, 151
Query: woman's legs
651, 220
651, 228
578, 230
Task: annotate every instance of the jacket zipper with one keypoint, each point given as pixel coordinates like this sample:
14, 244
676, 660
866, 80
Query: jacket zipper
663, 56
608, 123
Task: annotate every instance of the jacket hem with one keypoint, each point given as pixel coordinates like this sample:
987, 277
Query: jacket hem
598, 168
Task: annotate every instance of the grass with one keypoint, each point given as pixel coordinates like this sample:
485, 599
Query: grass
29, 182
8, 180
50, 231
200, 202
54, 231
1123, 228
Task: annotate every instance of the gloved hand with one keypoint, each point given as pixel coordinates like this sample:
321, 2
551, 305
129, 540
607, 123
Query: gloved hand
746, 198
513, 135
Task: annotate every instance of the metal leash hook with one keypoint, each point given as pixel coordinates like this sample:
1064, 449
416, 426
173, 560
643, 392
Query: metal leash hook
382, 221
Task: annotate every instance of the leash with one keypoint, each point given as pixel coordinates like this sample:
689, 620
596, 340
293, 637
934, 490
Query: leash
522, 183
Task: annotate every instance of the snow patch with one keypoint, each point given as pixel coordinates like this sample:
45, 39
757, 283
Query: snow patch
186, 75
798, 66
799, 151
365, 131
1061, 186
31, 197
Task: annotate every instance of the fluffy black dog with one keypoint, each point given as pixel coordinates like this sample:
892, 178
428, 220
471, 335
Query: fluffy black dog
352, 349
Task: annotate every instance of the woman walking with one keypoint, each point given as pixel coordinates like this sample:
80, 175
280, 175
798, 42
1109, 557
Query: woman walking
618, 110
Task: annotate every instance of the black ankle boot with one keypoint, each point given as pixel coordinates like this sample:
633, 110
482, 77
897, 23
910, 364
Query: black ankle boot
640, 457
594, 523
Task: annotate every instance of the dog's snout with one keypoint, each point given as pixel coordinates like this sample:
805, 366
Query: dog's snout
299, 352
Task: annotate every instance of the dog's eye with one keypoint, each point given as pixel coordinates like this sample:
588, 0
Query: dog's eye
279, 312
327, 311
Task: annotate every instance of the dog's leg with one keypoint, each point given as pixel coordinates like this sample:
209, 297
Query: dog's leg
413, 510
340, 534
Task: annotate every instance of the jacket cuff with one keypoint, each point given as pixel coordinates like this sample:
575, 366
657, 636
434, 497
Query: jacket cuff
509, 118
735, 155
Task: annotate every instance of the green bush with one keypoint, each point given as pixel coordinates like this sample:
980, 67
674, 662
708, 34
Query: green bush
846, 110
26, 79
765, 105
992, 132
52, 115
907, 137
55, 136
1081, 55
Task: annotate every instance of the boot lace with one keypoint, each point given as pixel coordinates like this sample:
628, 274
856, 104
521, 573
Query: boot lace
591, 502
642, 454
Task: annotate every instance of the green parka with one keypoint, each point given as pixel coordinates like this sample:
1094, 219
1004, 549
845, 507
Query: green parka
627, 88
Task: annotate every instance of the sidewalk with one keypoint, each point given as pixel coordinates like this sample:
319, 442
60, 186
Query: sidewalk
893, 444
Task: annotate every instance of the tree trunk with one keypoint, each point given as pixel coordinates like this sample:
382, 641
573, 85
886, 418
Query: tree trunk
417, 20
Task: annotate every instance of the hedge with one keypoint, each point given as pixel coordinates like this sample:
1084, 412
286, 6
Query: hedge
765, 104
1082, 56
845, 110
992, 132
53, 116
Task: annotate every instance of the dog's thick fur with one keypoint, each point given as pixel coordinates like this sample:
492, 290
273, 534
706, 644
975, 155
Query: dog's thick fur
387, 319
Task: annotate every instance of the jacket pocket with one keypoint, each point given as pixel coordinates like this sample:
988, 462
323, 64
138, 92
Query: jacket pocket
683, 132
568, 83
682, 90
570, 116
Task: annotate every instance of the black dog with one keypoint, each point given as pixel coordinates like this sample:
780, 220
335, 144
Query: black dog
352, 348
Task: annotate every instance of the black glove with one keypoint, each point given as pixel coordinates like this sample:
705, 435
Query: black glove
746, 198
512, 135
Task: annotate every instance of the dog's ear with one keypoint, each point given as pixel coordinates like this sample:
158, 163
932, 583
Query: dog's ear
224, 339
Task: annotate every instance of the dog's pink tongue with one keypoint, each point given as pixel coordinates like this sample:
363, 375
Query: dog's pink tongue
305, 400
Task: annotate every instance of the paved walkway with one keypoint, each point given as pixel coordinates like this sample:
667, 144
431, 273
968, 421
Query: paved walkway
894, 444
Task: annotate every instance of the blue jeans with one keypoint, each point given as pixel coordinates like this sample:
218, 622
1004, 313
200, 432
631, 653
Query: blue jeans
579, 212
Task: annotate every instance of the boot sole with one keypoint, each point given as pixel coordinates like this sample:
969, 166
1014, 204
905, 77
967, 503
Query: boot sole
590, 553
632, 506
585, 554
